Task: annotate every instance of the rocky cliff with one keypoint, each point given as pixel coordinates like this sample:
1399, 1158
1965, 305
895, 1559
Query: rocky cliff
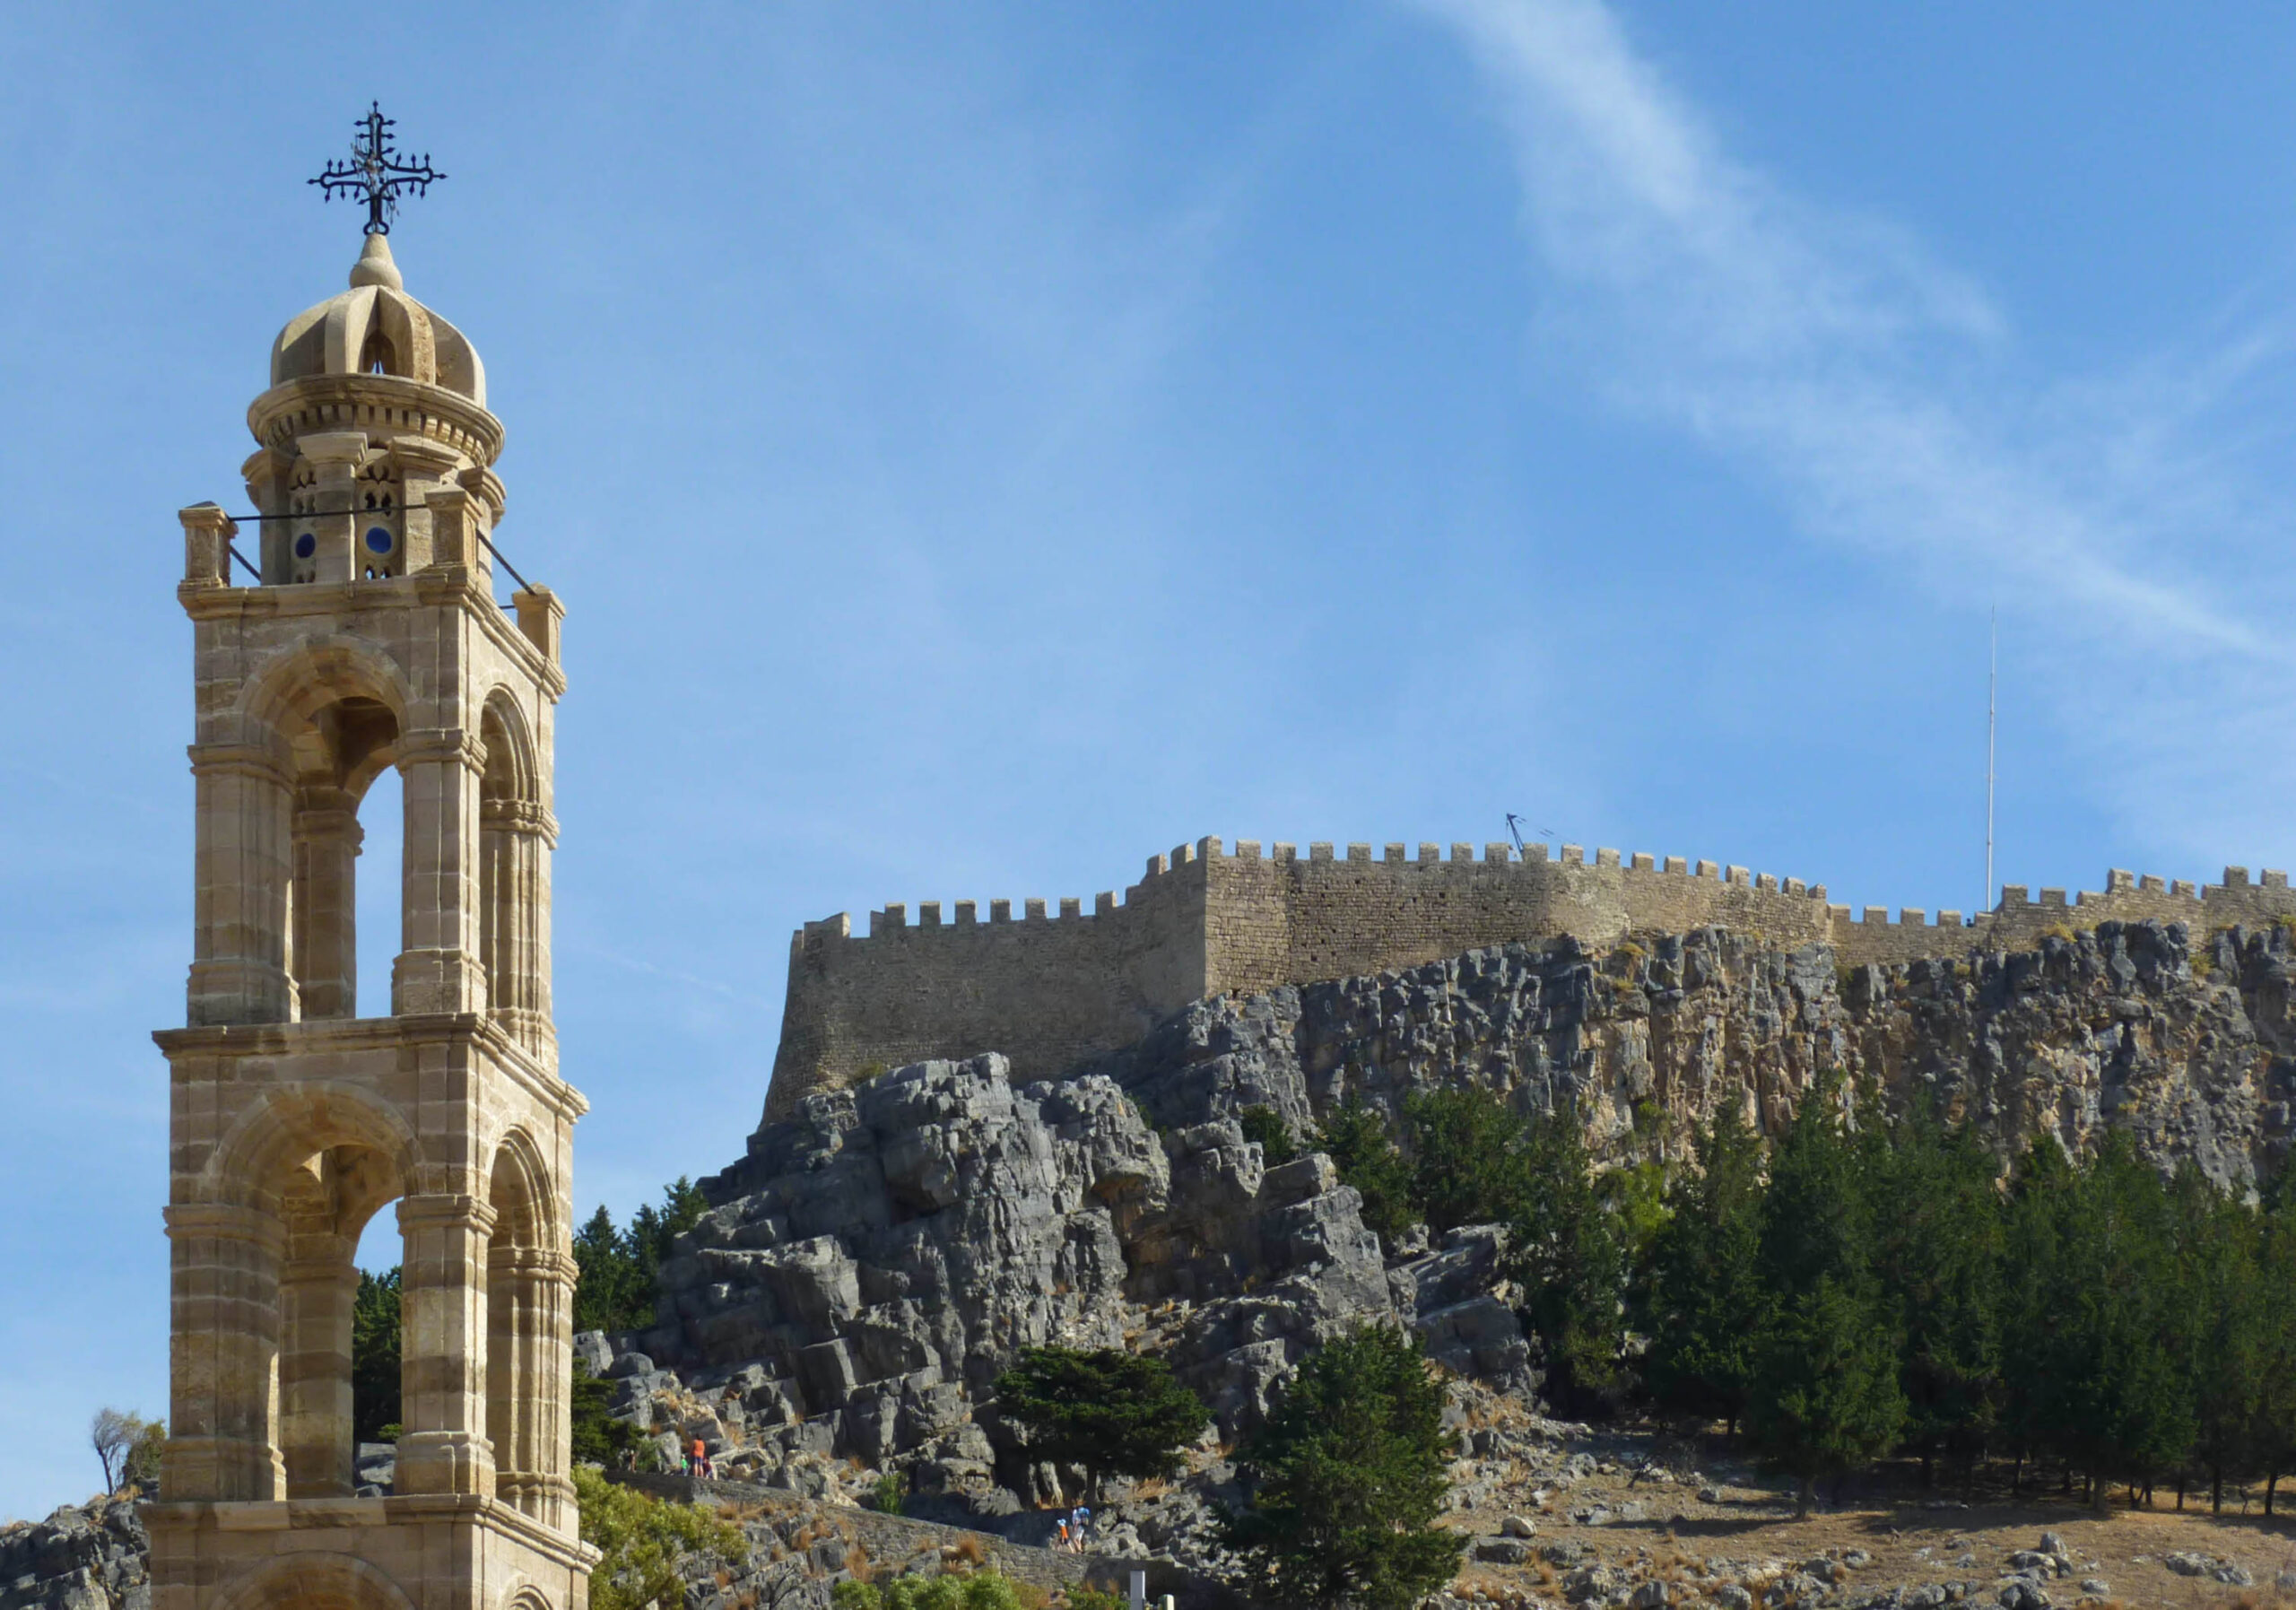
2186, 1042
874, 1262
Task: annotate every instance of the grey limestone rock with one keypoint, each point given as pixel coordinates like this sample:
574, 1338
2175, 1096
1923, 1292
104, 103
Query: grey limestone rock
84, 1557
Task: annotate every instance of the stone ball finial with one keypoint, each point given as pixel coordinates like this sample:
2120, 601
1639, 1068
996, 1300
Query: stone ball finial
375, 267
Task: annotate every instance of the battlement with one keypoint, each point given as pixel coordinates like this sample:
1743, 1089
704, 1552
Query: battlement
1060, 983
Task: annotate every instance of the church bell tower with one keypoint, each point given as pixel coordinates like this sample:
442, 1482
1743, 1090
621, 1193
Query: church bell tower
365, 634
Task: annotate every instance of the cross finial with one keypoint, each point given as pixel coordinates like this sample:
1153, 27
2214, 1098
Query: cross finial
376, 169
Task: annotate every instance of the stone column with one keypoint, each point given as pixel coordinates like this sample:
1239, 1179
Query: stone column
424, 466
327, 837
241, 865
207, 533
529, 1357
442, 1346
316, 1288
440, 968
334, 457
222, 1353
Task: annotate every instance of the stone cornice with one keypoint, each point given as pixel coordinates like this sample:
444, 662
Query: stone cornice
380, 406
376, 1034
316, 1514
437, 587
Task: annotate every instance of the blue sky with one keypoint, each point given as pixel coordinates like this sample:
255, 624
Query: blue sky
982, 446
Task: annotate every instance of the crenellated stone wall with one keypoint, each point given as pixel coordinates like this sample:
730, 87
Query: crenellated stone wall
1054, 987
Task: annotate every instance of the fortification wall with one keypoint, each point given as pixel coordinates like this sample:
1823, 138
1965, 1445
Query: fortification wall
1045, 988
1050, 991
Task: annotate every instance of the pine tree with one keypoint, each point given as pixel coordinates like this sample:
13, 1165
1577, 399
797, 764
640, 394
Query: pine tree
375, 1356
1466, 1163
2273, 1432
2037, 1220
2127, 1398
614, 1288
1110, 1411
2221, 1309
1939, 1232
1568, 1250
1704, 1294
1825, 1400
1347, 1478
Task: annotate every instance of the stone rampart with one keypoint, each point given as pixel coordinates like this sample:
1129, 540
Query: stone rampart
1052, 989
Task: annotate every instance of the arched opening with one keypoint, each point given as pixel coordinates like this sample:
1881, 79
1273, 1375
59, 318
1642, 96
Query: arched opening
331, 1200
265, 1252
347, 806
527, 1344
513, 936
381, 903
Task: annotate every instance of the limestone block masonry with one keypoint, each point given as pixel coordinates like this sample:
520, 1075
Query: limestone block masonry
1049, 991
298, 1112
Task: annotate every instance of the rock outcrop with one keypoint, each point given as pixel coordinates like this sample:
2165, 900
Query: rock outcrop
872, 1265
86, 1557
2187, 1043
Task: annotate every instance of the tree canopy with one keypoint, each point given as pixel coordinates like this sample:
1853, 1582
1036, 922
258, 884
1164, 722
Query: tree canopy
1106, 1411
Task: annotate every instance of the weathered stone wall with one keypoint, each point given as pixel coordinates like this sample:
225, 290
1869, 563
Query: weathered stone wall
1049, 992
1044, 990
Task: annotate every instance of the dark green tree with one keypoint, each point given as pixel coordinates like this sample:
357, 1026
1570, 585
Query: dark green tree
1825, 1400
1346, 1480
1355, 1139
614, 1286
2274, 1434
2127, 1397
2038, 1218
1109, 1411
1568, 1249
375, 1356
2223, 1310
599, 1439
1467, 1166
1939, 1229
1703, 1302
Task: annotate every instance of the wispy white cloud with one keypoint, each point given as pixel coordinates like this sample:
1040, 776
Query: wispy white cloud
2122, 525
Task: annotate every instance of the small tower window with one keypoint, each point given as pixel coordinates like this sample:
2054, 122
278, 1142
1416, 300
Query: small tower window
306, 544
379, 539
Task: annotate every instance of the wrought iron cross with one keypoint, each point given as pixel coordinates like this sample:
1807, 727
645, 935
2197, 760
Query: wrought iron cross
375, 169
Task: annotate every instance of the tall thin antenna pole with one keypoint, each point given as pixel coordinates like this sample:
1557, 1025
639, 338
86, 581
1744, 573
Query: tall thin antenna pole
1992, 683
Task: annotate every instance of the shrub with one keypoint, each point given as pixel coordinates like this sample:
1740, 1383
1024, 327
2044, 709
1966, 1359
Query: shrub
1355, 1139
885, 1497
1266, 1126
641, 1540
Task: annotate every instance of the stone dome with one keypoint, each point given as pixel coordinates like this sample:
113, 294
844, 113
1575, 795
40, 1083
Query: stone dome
373, 328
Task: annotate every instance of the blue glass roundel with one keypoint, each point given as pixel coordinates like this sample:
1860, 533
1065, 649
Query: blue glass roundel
306, 546
379, 539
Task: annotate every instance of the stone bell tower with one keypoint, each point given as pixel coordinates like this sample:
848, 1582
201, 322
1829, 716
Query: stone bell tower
369, 636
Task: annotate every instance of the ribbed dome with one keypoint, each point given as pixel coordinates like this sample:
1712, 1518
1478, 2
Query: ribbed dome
375, 327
